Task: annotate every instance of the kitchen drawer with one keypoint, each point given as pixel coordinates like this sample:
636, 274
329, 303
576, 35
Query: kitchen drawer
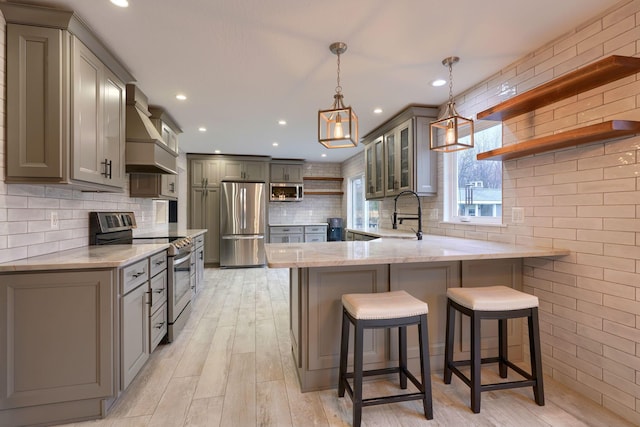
286, 238
315, 237
158, 262
158, 290
286, 230
315, 229
135, 275
199, 241
158, 327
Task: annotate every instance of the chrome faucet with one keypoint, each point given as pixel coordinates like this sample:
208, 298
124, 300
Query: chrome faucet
399, 219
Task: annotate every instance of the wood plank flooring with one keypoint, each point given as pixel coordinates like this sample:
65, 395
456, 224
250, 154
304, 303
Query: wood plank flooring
232, 366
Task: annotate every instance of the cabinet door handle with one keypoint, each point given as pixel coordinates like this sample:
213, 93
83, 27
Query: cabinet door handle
159, 325
201, 255
172, 187
107, 168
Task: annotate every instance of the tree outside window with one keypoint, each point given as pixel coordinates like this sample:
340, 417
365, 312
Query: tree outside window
477, 193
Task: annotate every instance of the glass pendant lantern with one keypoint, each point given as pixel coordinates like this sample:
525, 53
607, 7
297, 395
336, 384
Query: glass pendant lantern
451, 127
338, 126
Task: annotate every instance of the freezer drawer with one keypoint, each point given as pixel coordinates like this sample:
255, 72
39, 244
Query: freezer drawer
242, 251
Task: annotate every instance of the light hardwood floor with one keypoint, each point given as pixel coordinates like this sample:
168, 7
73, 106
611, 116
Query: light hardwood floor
232, 366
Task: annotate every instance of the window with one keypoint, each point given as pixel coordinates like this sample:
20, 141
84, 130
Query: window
362, 213
473, 189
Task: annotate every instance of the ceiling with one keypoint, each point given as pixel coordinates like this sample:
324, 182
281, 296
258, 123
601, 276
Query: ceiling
246, 64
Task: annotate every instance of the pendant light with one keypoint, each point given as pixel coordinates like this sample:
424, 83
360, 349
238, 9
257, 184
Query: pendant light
447, 131
338, 126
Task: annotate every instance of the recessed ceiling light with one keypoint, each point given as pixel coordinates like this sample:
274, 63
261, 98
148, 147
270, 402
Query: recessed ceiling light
216, 151
275, 144
438, 82
181, 97
377, 111
323, 155
120, 3
202, 129
282, 122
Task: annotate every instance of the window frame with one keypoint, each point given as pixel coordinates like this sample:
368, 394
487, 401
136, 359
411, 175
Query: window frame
450, 203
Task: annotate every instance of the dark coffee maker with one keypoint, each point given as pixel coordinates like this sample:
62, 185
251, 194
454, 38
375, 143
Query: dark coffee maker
334, 231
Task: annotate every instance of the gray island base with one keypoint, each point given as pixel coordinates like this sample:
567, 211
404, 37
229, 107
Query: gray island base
321, 273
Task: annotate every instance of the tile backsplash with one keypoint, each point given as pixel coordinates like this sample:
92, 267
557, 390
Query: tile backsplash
313, 208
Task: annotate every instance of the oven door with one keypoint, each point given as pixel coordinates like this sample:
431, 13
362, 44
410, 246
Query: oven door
180, 292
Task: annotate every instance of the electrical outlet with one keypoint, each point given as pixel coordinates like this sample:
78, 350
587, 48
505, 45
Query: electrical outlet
54, 221
517, 215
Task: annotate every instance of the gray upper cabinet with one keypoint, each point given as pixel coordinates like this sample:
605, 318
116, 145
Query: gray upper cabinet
204, 173
397, 155
166, 126
244, 170
290, 172
65, 107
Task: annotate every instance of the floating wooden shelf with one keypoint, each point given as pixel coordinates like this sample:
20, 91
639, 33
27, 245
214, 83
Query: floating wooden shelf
323, 178
323, 193
588, 77
585, 135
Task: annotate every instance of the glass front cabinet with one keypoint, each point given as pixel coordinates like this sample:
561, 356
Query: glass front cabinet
374, 171
397, 155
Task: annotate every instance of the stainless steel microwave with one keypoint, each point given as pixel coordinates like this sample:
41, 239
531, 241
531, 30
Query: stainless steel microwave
285, 192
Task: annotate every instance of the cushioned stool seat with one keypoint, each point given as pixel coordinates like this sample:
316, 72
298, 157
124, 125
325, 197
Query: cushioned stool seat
384, 310
500, 303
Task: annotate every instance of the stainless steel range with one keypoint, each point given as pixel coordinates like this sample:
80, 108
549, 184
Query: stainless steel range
110, 228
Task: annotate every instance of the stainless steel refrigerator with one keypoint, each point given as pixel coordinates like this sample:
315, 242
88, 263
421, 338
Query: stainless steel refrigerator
242, 224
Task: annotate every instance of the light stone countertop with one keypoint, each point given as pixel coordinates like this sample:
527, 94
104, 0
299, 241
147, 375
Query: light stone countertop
87, 257
169, 232
393, 251
298, 224
384, 232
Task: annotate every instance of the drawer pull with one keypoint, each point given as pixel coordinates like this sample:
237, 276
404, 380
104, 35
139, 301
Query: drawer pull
159, 262
159, 325
159, 291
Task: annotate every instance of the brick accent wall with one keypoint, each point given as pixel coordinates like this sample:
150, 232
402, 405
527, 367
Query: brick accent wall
586, 199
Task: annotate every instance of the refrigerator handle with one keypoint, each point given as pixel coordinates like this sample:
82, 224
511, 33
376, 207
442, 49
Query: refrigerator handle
243, 201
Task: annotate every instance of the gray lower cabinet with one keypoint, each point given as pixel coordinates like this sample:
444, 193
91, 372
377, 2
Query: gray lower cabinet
315, 233
72, 341
316, 316
286, 234
57, 353
297, 233
134, 323
316, 313
200, 257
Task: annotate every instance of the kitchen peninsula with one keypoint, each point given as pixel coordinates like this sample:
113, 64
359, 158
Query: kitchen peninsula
321, 273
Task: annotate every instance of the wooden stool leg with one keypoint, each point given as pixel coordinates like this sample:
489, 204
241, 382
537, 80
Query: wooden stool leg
344, 352
503, 347
536, 357
425, 367
448, 348
402, 351
357, 374
475, 363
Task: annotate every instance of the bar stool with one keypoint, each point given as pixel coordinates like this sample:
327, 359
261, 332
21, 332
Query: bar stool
501, 303
384, 310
